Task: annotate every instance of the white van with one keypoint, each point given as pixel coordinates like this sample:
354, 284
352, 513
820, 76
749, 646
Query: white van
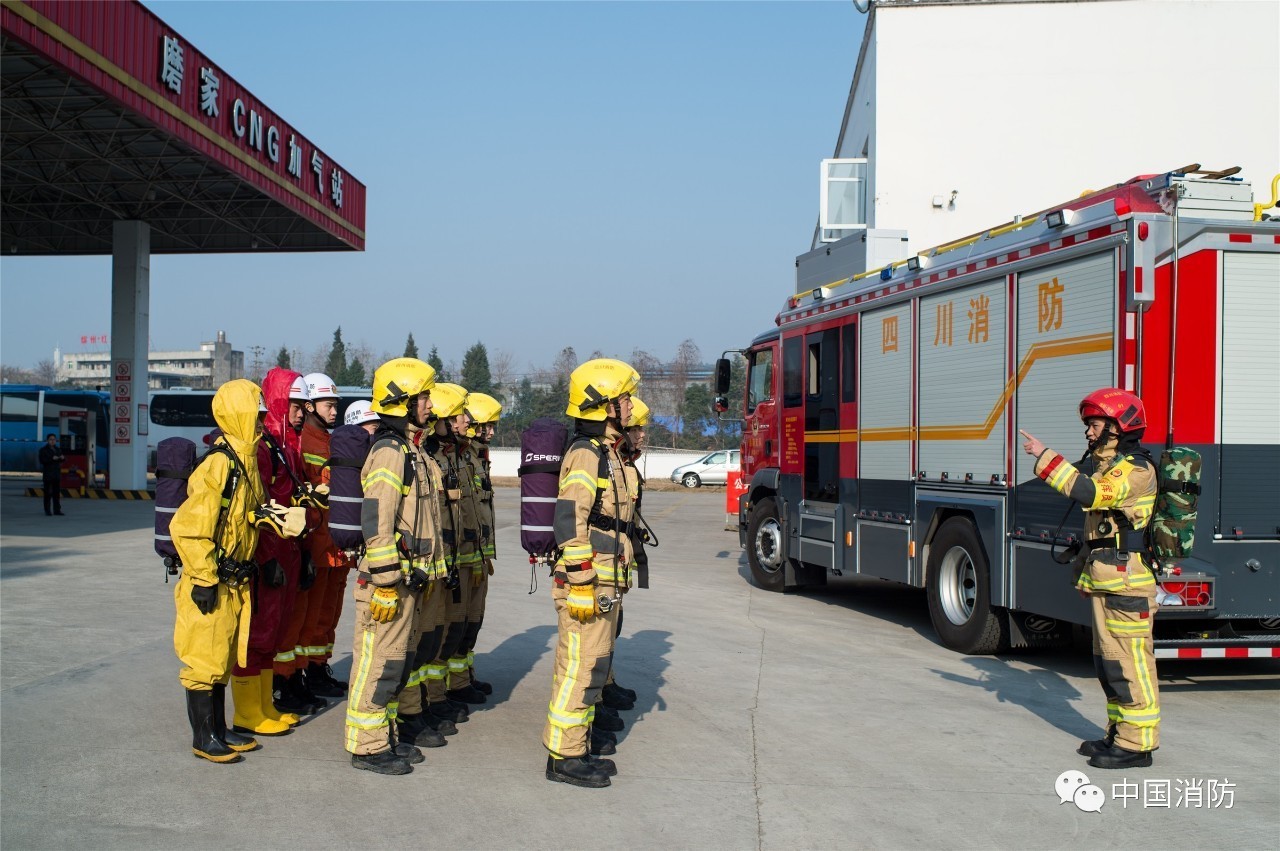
178, 412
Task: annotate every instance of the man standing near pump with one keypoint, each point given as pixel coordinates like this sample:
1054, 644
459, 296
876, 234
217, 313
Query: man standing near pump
1118, 500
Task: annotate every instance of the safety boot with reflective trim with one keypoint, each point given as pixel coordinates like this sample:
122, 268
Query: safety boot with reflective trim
576, 771
387, 762
235, 741
246, 693
1118, 757
467, 694
607, 719
1093, 747
205, 742
321, 684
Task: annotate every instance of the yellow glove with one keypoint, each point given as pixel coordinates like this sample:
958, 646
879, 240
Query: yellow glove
582, 602
312, 497
286, 521
383, 604
489, 564
477, 576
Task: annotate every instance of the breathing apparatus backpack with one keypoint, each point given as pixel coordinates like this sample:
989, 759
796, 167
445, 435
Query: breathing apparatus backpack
175, 462
348, 448
542, 447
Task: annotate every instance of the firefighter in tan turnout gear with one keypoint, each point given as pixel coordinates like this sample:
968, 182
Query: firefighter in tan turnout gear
400, 519
484, 412
1118, 499
593, 516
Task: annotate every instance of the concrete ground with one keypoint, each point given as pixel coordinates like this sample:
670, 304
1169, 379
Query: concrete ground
822, 720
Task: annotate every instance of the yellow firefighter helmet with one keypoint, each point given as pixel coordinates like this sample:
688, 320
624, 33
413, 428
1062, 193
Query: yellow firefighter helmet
448, 400
595, 384
483, 408
641, 416
396, 382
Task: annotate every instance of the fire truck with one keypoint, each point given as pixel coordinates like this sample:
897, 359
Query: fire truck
881, 414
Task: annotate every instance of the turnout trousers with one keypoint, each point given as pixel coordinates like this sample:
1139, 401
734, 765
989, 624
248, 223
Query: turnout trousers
424, 648
581, 667
208, 645
1126, 665
450, 655
379, 668
476, 596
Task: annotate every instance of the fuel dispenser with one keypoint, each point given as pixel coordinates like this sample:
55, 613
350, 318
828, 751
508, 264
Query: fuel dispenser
77, 433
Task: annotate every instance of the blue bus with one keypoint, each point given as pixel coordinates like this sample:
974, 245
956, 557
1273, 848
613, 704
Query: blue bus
29, 413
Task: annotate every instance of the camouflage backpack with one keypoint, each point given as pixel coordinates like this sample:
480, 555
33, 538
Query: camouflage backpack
1172, 530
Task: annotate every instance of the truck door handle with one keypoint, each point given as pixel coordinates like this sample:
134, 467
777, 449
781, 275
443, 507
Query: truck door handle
768, 447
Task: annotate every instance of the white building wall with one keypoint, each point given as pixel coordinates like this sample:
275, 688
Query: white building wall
1019, 106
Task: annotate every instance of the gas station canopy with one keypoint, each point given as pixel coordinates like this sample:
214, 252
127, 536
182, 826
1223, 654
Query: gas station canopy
108, 114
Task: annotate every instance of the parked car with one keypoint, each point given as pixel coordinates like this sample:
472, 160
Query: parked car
710, 470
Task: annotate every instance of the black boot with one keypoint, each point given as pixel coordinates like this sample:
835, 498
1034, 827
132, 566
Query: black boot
624, 693
607, 719
234, 740
576, 771
482, 687
455, 712
443, 726
414, 730
602, 743
205, 743
286, 700
467, 694
615, 699
387, 762
1093, 747
607, 767
403, 747
1118, 757
321, 684
299, 685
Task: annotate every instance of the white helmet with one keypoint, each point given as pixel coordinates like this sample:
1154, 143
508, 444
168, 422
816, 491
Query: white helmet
298, 390
320, 386
359, 413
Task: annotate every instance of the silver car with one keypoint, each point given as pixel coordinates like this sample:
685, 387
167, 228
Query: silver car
710, 470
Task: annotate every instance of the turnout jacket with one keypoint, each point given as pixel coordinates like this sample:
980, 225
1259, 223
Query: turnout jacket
400, 515
484, 487
590, 550
461, 512
1121, 493
195, 524
315, 455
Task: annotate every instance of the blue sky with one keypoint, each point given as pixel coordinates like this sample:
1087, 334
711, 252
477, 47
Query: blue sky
601, 175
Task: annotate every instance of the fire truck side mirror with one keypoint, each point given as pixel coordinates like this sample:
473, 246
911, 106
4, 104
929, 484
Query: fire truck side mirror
722, 377
721, 405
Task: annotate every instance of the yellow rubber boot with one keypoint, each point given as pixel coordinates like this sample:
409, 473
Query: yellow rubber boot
269, 710
247, 696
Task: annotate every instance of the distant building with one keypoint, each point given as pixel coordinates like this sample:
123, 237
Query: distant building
206, 368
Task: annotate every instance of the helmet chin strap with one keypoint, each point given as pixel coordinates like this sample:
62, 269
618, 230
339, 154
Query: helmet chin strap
1101, 440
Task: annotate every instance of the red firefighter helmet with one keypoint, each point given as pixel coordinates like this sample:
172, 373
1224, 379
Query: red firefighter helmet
1112, 403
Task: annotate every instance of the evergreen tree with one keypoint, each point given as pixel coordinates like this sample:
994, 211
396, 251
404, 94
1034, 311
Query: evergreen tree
336, 366
433, 358
410, 347
282, 358
353, 376
476, 376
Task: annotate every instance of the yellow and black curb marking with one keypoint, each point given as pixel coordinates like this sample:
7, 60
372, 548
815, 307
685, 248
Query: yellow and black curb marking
97, 493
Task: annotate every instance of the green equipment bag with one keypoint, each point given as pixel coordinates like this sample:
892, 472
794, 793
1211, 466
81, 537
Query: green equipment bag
1173, 522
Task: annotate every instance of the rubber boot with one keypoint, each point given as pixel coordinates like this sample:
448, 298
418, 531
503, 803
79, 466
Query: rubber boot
205, 743
602, 743
413, 729
607, 719
248, 717
467, 694
298, 683
1094, 747
387, 762
624, 693
267, 686
235, 741
285, 699
321, 684
576, 771
1118, 757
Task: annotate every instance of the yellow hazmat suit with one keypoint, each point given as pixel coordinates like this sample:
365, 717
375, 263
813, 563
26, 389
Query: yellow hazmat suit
205, 642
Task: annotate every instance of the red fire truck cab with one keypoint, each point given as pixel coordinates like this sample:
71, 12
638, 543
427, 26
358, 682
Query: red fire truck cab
882, 414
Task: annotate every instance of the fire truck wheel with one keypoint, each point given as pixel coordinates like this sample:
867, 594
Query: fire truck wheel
959, 590
765, 548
